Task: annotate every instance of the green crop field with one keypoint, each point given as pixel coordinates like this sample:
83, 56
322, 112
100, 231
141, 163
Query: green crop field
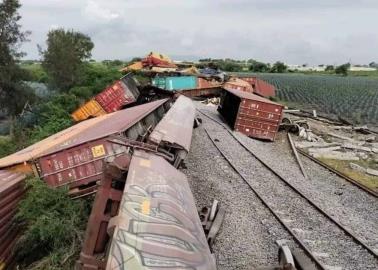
353, 98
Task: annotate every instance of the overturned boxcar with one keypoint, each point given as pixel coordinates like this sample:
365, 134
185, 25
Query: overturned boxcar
251, 114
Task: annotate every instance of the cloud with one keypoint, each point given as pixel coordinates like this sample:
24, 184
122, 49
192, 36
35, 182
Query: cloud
95, 11
295, 31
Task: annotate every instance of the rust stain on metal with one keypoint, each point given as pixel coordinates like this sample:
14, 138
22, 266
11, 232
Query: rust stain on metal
170, 234
201, 92
89, 130
81, 166
238, 84
260, 87
251, 114
11, 192
176, 127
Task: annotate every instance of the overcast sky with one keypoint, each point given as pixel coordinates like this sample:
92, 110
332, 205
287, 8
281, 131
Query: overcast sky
293, 31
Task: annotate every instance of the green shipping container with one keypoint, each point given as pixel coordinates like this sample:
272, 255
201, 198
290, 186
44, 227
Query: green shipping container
175, 83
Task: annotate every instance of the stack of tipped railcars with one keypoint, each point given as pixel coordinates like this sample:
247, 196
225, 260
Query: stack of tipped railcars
152, 220
251, 114
74, 157
12, 189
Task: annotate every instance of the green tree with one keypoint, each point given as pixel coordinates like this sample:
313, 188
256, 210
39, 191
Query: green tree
329, 68
258, 67
373, 65
278, 67
343, 69
64, 57
13, 92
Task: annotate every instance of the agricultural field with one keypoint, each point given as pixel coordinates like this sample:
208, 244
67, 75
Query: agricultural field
352, 98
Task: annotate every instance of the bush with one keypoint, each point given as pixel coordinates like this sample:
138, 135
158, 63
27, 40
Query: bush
53, 227
7, 146
53, 116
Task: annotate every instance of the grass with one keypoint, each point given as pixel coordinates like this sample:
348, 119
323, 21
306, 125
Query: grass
343, 166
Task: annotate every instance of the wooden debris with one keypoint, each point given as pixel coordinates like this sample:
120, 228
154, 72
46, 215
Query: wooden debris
336, 155
356, 147
372, 172
297, 156
324, 150
357, 167
340, 137
306, 144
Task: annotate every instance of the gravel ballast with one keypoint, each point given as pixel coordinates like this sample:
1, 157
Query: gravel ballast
348, 204
329, 242
248, 235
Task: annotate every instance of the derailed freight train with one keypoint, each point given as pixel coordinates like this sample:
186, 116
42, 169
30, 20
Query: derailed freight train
144, 215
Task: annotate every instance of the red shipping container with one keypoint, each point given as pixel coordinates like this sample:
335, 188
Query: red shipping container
78, 166
251, 114
121, 93
11, 192
78, 160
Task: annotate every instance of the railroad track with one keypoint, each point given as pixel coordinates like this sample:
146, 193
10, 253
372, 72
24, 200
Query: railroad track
327, 242
354, 182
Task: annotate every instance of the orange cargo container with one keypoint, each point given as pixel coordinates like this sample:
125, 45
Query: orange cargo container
88, 110
238, 84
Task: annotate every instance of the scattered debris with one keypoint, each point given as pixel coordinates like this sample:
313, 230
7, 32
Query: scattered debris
372, 172
296, 155
324, 149
211, 101
336, 155
357, 167
320, 144
356, 147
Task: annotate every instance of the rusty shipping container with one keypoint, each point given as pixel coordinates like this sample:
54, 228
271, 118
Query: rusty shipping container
120, 94
78, 161
201, 92
11, 192
203, 83
238, 84
260, 87
88, 110
251, 114
158, 224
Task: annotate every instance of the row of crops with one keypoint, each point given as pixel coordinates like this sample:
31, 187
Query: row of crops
353, 98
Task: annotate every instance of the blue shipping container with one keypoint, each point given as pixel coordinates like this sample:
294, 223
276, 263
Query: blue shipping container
175, 83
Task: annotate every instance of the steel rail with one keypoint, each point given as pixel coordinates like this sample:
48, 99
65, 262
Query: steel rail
351, 180
299, 241
323, 212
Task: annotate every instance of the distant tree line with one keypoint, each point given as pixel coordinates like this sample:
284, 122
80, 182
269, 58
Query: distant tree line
251, 65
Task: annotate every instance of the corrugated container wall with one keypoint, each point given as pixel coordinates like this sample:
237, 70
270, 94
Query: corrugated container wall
78, 162
121, 93
11, 192
203, 83
175, 83
78, 166
251, 114
88, 110
238, 84
260, 87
